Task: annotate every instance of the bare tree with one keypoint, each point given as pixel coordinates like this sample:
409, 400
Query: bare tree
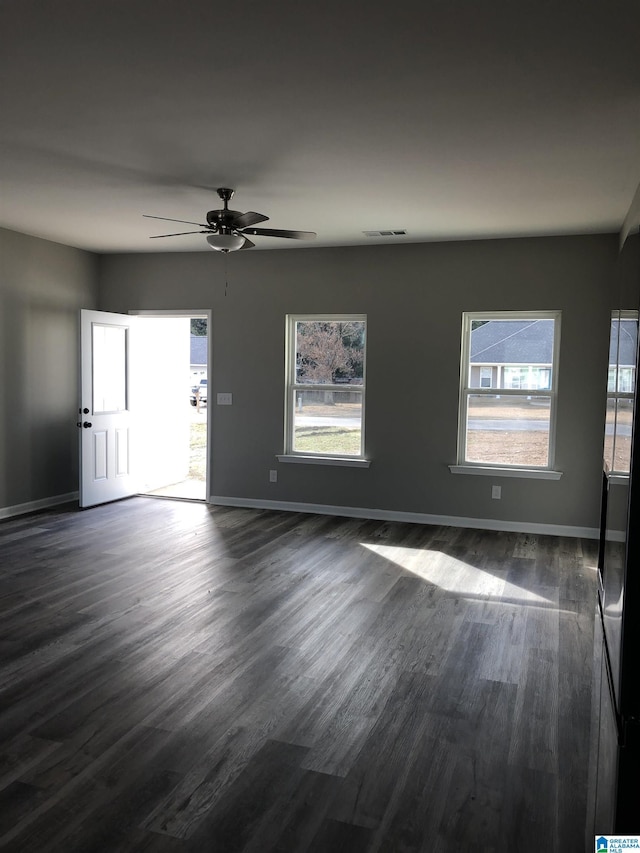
327, 352
321, 352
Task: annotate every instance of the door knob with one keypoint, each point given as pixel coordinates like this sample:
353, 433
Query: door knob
86, 424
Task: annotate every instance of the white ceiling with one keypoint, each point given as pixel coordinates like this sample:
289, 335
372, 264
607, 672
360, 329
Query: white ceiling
451, 119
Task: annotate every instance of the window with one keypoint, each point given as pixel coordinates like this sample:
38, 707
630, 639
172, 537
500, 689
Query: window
510, 422
485, 377
109, 345
325, 386
620, 389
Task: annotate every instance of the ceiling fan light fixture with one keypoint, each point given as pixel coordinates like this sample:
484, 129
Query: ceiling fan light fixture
225, 242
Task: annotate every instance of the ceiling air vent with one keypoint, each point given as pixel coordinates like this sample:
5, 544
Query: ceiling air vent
395, 233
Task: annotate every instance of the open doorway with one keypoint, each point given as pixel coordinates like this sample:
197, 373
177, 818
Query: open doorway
173, 354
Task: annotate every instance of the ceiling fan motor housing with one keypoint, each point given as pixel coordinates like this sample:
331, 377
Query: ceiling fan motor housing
221, 218
215, 218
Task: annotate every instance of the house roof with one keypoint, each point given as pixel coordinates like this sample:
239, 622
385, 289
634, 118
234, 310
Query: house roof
512, 342
531, 342
450, 120
199, 349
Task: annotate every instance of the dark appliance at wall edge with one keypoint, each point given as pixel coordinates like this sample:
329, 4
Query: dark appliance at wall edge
614, 802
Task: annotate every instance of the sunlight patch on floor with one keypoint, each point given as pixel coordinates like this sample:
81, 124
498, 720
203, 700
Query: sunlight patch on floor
454, 575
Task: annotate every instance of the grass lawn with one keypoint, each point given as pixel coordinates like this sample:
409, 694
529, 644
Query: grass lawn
507, 448
331, 439
198, 445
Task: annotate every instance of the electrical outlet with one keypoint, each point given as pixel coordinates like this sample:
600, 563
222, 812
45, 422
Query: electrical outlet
273, 476
224, 399
496, 492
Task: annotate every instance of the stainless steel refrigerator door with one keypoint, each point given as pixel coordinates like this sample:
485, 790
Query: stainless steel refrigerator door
613, 576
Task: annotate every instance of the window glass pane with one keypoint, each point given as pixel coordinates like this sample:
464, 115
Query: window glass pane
628, 352
622, 353
518, 352
109, 368
511, 430
614, 343
327, 422
330, 352
609, 433
622, 446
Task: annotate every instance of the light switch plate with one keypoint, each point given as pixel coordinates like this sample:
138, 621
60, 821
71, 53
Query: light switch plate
224, 399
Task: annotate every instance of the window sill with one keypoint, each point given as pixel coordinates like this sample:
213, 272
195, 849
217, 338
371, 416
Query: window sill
522, 473
618, 479
325, 460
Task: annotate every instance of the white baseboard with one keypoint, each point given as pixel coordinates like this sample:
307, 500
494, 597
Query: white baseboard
34, 506
356, 512
412, 517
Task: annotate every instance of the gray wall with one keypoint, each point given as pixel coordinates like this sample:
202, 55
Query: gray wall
628, 274
414, 296
42, 286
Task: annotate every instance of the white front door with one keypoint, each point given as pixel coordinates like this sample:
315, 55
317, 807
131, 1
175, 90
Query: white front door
105, 420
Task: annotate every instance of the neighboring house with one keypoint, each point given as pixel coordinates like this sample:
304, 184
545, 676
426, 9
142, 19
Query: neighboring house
512, 354
199, 352
518, 354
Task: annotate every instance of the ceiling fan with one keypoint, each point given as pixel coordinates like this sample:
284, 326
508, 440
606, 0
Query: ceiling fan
227, 230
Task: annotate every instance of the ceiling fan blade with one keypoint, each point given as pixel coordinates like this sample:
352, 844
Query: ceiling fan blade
247, 243
248, 218
178, 234
278, 232
185, 221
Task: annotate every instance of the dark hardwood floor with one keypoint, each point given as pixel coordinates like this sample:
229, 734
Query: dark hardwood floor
177, 677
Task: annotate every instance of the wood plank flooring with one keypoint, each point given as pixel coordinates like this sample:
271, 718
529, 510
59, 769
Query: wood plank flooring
178, 677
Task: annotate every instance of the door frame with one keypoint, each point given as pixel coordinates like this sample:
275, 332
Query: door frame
205, 313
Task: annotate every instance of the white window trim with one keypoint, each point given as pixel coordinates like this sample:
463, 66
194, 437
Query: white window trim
297, 456
338, 461
463, 466
504, 471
